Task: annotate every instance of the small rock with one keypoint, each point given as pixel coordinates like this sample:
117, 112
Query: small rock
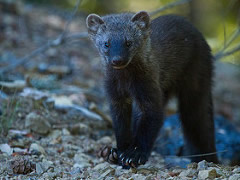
39, 169
207, 174
47, 164
19, 150
3, 95
236, 170
5, 148
234, 177
4, 167
192, 165
119, 171
50, 175
55, 136
188, 173
202, 165
139, 177
43, 166
65, 132
76, 170
12, 87
102, 166
81, 165
59, 70
37, 123
218, 170
62, 101
163, 175
81, 160
34, 94
108, 172
36, 149
79, 129
43, 81
106, 140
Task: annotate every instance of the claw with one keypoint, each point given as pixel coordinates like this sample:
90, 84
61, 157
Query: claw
129, 161
139, 161
105, 152
115, 155
120, 156
133, 165
126, 162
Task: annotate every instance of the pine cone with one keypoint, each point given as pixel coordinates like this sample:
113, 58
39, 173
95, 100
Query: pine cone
22, 165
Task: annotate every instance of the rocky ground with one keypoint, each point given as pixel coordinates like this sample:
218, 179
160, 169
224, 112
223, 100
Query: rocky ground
54, 115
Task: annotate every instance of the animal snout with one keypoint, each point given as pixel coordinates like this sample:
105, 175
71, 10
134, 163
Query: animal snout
117, 61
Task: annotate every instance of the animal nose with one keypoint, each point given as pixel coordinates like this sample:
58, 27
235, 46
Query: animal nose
117, 61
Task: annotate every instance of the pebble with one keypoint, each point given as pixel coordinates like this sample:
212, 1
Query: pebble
43, 166
202, 165
5, 148
192, 166
36, 149
65, 132
80, 129
81, 160
235, 177
37, 123
81, 165
12, 87
207, 174
102, 166
106, 140
188, 173
55, 137
236, 170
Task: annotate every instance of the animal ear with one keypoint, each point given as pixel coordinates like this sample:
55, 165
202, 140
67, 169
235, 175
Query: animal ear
142, 19
93, 22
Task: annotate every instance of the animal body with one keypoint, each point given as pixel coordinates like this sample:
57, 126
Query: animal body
145, 63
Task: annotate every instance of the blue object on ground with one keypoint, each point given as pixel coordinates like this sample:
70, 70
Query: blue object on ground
171, 142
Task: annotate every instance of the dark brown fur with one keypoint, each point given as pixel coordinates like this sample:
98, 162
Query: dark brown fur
166, 57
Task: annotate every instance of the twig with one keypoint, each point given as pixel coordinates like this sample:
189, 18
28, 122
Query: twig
221, 53
170, 5
199, 155
230, 52
66, 28
76, 36
229, 7
56, 42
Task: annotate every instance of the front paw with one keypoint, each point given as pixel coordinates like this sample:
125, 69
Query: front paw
132, 157
109, 154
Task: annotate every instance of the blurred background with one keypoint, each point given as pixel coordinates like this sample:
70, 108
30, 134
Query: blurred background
216, 19
51, 77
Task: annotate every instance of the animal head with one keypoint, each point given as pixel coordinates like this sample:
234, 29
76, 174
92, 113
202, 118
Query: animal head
119, 37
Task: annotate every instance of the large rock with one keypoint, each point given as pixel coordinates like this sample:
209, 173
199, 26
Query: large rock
37, 123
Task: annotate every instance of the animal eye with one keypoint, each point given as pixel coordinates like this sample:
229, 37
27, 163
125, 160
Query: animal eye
106, 44
128, 43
